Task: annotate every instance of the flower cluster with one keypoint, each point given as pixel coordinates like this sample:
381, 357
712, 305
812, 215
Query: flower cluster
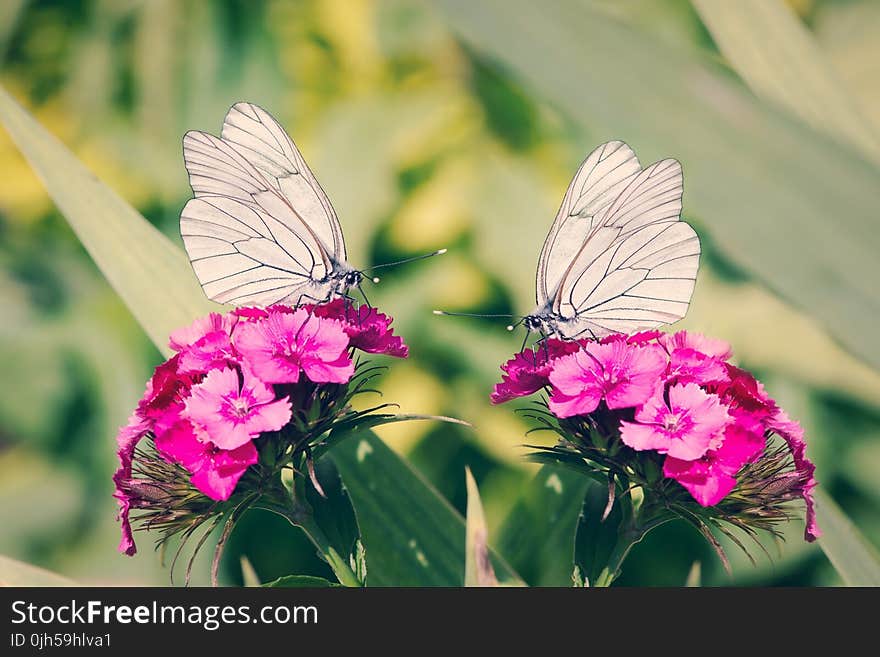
654, 408
246, 386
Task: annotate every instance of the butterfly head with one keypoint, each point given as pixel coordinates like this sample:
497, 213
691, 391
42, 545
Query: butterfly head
351, 279
534, 323
537, 323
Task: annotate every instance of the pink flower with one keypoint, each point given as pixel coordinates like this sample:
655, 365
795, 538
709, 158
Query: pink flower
127, 439
623, 375
279, 347
684, 428
184, 337
793, 434
695, 358
710, 478
528, 370
164, 388
711, 347
215, 471
743, 391
208, 352
235, 411
642, 337
247, 312
367, 328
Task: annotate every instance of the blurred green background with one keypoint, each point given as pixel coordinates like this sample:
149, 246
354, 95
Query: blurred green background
421, 142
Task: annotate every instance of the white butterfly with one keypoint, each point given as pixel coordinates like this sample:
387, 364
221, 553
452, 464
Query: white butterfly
617, 258
260, 229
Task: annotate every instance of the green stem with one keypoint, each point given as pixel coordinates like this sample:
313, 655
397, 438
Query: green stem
626, 539
629, 534
301, 516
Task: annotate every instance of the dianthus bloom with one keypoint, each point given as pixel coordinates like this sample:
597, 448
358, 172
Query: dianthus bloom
285, 345
670, 413
623, 375
685, 427
239, 381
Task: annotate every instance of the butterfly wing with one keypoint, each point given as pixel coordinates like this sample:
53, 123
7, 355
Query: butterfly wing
260, 138
601, 177
637, 266
630, 281
260, 229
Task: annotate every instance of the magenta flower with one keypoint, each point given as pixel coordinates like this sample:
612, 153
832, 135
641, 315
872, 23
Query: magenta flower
164, 388
711, 347
188, 335
684, 428
642, 337
249, 312
204, 409
742, 390
234, 410
793, 434
623, 375
215, 471
528, 370
284, 344
367, 328
711, 477
211, 351
127, 439
694, 358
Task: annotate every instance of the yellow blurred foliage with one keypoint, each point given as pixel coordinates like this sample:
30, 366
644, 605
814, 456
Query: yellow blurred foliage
23, 198
350, 26
458, 283
414, 390
437, 212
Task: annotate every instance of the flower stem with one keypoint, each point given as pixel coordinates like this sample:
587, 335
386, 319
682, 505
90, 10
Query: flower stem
301, 516
626, 539
630, 534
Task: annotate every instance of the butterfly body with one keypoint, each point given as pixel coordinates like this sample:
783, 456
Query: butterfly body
617, 259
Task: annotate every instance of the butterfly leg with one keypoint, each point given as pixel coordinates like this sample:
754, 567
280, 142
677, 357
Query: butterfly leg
364, 295
543, 343
309, 297
586, 330
310, 311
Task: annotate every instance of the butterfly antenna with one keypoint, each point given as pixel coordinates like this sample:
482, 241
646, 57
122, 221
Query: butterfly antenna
375, 279
509, 327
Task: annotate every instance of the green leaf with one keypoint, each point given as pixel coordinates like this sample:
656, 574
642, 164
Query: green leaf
299, 582
778, 57
538, 534
792, 206
16, 573
412, 535
150, 273
695, 575
596, 538
477, 565
249, 576
854, 558
333, 511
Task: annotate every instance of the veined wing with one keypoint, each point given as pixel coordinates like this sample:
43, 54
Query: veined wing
653, 196
253, 232
244, 256
266, 145
631, 279
599, 180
